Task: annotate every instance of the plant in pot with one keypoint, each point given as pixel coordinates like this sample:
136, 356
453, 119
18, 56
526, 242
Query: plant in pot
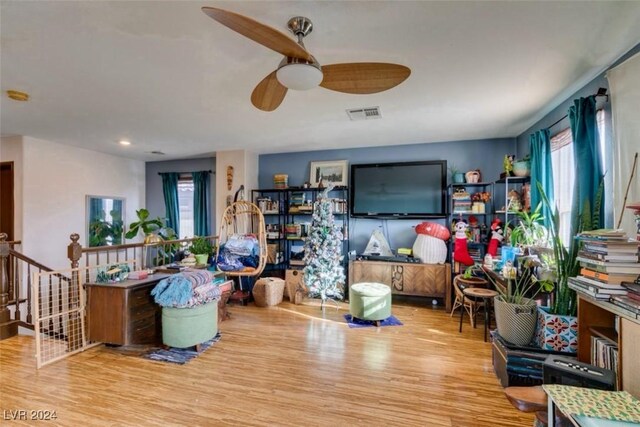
558, 324
155, 231
515, 308
201, 247
522, 167
457, 177
529, 230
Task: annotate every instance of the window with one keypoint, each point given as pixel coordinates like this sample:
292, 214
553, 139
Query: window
185, 202
564, 173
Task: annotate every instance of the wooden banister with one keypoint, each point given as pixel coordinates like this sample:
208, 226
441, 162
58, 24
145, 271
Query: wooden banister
8, 327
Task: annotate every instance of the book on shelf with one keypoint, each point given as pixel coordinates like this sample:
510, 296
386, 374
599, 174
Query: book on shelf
627, 303
631, 258
579, 286
604, 353
610, 267
612, 278
604, 234
611, 288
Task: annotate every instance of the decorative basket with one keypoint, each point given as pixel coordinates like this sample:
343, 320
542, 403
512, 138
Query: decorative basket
268, 291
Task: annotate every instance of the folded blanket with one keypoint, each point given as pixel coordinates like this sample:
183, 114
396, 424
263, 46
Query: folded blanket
239, 252
187, 289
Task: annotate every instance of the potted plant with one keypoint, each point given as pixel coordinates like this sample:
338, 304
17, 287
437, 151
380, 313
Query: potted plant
515, 309
522, 167
457, 177
558, 324
155, 231
201, 247
529, 230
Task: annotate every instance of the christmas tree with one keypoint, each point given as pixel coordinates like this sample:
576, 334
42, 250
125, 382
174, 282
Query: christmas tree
323, 272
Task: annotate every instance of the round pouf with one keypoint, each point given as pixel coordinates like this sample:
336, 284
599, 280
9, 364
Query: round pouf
186, 327
370, 301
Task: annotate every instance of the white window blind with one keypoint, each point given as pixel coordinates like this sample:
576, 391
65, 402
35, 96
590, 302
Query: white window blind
185, 202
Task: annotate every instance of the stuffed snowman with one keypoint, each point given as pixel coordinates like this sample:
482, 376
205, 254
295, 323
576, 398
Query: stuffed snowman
460, 250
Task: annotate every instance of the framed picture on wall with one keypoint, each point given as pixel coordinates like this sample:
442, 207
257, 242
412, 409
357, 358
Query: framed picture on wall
334, 171
105, 221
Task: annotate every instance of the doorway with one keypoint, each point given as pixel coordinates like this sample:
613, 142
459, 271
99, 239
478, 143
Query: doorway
6, 199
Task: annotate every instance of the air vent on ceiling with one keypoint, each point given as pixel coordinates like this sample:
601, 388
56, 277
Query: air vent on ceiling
364, 113
160, 153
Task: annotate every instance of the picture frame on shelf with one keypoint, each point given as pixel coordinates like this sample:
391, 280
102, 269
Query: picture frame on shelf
334, 171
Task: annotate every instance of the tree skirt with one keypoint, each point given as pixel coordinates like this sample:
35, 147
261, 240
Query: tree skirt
179, 355
357, 323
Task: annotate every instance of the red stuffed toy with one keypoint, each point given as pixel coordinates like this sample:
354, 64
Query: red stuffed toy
460, 250
496, 237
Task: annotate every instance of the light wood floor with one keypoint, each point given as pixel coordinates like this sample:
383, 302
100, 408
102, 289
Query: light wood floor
283, 366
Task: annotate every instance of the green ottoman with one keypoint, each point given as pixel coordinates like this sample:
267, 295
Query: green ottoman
370, 301
188, 327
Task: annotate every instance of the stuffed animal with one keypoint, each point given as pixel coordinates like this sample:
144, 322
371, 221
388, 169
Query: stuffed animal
496, 237
460, 250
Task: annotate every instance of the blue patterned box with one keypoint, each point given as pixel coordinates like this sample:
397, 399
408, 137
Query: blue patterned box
557, 333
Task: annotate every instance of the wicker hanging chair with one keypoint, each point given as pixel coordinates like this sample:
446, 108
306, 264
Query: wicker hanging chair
242, 217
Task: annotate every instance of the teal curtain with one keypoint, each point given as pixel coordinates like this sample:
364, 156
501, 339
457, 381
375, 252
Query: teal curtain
587, 159
170, 190
201, 203
541, 170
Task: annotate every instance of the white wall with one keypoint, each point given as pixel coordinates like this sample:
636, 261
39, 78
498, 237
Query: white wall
11, 151
245, 172
56, 179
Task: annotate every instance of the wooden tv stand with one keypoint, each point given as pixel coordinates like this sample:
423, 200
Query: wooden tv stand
425, 280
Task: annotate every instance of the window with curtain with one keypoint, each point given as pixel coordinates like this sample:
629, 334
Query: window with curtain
564, 172
185, 203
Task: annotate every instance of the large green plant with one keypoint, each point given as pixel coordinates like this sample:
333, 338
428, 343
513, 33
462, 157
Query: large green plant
529, 230
149, 226
564, 261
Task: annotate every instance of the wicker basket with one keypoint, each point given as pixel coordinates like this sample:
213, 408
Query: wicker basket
268, 291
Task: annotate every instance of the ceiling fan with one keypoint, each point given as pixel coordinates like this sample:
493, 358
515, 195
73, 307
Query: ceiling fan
299, 70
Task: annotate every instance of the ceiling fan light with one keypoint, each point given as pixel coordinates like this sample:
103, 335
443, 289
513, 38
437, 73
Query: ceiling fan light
299, 76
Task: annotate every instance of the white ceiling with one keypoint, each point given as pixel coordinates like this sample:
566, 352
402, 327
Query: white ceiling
169, 78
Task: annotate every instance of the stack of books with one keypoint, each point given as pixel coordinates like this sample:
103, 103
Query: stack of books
608, 258
631, 301
604, 353
461, 201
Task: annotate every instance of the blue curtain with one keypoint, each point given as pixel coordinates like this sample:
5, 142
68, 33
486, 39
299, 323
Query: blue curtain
587, 158
201, 203
170, 190
541, 170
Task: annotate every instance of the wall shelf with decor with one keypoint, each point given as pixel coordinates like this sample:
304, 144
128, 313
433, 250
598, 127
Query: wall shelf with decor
473, 203
288, 223
511, 205
272, 203
299, 214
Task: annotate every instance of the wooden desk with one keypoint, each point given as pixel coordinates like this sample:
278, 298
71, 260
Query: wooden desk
404, 278
124, 313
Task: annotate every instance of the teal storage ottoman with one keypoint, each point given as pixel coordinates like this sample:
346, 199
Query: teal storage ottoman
187, 327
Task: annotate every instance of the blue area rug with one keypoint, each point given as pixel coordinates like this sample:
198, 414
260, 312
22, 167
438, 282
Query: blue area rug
179, 355
357, 323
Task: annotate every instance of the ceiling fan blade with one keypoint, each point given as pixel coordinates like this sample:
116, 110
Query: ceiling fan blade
363, 77
268, 94
259, 33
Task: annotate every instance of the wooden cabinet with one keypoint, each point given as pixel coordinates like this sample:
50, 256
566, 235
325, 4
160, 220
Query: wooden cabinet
428, 280
598, 318
124, 313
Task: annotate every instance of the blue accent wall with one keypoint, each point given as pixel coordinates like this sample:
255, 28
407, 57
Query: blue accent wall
486, 155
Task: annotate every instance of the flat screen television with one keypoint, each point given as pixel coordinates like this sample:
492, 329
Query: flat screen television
399, 190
